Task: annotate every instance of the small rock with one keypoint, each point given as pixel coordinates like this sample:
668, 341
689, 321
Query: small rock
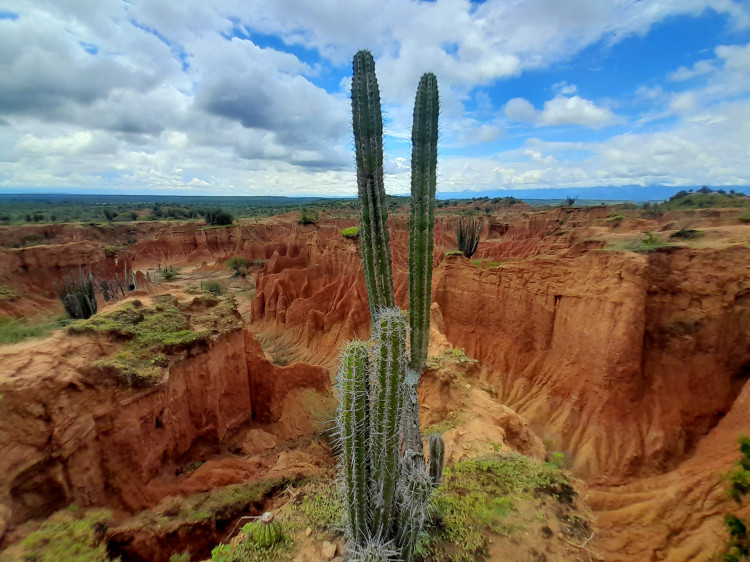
560, 536
328, 551
338, 559
468, 386
308, 532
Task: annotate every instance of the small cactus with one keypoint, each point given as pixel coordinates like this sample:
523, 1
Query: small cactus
265, 532
437, 458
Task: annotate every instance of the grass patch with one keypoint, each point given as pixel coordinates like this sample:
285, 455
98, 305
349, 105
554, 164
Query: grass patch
454, 253
68, 535
486, 263
153, 333
13, 330
646, 243
477, 496
614, 217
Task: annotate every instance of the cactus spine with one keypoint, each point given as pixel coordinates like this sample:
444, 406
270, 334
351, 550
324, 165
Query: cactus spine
367, 122
437, 454
384, 480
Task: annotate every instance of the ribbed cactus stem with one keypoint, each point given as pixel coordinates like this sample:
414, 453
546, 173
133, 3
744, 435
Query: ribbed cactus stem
390, 362
424, 137
437, 458
367, 122
354, 429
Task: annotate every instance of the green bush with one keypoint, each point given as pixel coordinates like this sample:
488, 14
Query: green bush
308, 216
215, 287
218, 217
351, 232
238, 265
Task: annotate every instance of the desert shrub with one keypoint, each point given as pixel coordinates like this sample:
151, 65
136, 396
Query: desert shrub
110, 215
467, 236
614, 217
687, 234
218, 217
215, 287
169, 273
238, 265
454, 253
308, 216
77, 295
351, 232
744, 217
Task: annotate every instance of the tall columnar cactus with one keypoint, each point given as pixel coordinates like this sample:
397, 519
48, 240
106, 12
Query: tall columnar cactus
437, 458
424, 135
367, 122
384, 481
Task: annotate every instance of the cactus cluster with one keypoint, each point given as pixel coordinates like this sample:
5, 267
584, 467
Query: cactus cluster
384, 480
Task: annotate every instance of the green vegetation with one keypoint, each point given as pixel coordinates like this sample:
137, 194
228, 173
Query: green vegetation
646, 243
745, 217
68, 535
738, 545
477, 496
14, 330
614, 217
218, 217
239, 265
215, 287
687, 234
152, 334
484, 263
352, 232
705, 197
180, 557
77, 295
170, 273
467, 235
7, 294
308, 216
454, 253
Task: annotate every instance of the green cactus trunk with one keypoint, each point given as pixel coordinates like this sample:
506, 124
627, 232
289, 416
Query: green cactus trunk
390, 363
367, 122
353, 422
424, 135
437, 458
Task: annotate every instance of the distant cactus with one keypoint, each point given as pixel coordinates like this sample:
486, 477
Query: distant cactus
467, 236
437, 460
383, 476
78, 296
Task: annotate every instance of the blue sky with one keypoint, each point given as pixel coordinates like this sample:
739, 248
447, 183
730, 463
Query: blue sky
250, 97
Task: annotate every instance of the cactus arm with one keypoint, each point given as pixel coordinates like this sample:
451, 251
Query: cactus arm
424, 135
354, 426
390, 362
368, 142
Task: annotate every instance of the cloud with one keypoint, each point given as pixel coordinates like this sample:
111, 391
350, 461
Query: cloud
561, 110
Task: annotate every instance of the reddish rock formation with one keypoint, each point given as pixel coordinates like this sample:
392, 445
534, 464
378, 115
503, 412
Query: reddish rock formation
67, 438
